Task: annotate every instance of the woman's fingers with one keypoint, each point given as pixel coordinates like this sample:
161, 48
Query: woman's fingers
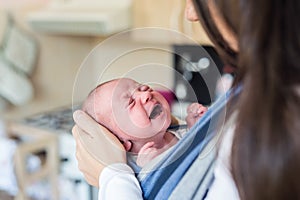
90, 167
96, 147
98, 141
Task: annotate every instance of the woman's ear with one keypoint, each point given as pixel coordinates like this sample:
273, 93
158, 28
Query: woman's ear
127, 145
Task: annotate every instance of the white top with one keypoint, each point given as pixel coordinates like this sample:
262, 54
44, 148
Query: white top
118, 181
223, 186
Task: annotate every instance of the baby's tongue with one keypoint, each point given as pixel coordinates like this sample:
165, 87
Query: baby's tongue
155, 112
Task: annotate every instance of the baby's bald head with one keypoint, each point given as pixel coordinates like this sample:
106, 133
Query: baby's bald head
98, 106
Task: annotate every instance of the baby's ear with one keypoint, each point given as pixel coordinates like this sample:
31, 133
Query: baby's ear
127, 145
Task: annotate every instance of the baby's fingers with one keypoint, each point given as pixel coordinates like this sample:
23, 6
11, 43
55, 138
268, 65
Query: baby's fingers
146, 147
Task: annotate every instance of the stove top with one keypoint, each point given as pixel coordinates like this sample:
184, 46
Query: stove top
59, 120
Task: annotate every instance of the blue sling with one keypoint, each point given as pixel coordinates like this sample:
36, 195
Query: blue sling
161, 182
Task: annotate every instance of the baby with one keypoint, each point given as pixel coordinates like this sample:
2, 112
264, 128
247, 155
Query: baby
138, 115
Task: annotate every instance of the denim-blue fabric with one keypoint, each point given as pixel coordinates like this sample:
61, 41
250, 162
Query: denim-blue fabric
160, 183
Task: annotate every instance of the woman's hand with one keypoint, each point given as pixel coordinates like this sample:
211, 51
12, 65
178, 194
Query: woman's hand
194, 112
96, 147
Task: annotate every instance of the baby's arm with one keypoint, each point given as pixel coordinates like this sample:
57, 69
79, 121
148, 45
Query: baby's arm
194, 112
146, 154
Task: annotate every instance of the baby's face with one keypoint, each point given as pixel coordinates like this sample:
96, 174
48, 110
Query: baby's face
137, 110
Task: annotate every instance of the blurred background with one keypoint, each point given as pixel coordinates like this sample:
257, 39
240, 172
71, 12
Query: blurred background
44, 43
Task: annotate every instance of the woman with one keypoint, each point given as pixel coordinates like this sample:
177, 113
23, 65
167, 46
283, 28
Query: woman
259, 157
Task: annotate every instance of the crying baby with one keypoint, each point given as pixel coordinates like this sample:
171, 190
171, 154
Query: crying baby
138, 116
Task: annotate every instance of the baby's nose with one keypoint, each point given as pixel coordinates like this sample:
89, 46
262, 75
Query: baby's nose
144, 96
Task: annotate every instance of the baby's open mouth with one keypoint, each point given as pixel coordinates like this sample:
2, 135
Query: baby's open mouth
156, 111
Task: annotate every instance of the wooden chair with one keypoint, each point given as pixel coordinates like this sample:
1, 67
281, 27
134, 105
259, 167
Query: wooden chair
32, 141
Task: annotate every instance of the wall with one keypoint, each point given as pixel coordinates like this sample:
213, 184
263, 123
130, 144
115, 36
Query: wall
167, 14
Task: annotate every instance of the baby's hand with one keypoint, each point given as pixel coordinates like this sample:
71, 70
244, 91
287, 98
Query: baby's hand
146, 154
194, 112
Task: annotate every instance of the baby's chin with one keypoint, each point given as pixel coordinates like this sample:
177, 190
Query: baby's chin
149, 130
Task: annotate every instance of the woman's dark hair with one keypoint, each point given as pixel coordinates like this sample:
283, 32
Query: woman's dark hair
228, 54
265, 157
